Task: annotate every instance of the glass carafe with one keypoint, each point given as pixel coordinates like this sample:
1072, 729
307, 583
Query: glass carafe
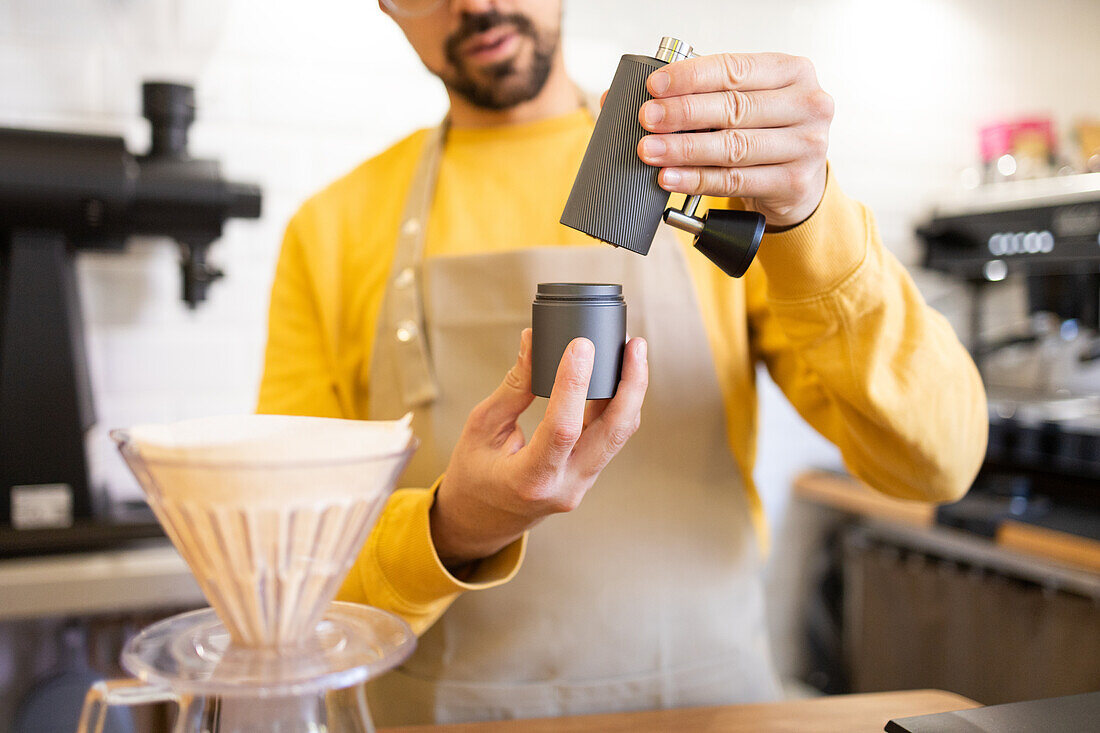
219, 687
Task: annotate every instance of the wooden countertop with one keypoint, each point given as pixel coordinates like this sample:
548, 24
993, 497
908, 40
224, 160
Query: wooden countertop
851, 495
838, 714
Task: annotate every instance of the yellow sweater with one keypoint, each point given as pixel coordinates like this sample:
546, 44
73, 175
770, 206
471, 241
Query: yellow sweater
830, 312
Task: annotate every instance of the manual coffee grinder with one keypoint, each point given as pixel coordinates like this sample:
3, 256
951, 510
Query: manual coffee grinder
616, 198
269, 536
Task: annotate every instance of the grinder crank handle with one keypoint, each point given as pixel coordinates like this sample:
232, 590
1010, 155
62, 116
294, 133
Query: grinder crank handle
729, 239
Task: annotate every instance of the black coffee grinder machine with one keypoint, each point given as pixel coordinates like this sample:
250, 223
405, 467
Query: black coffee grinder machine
1042, 373
61, 193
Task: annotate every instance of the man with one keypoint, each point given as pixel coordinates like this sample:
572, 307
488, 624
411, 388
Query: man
402, 286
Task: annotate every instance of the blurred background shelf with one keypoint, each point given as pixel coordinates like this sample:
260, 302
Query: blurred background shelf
1013, 542
149, 577
904, 600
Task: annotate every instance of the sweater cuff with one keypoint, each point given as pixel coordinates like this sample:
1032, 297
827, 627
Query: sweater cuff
814, 257
409, 563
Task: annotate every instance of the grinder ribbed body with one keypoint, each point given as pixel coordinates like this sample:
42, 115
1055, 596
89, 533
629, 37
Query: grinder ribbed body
615, 196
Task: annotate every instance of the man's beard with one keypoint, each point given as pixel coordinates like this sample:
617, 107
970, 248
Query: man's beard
501, 85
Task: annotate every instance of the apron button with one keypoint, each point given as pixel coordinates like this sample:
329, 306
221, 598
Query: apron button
406, 331
404, 278
411, 227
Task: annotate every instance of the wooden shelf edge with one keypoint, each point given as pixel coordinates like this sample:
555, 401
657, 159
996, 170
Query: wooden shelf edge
849, 494
1030, 539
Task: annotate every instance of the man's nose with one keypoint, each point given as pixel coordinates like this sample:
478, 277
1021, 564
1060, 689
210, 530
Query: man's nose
474, 6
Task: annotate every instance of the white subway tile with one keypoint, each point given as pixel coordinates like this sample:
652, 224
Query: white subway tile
50, 78
8, 23
191, 354
200, 25
46, 21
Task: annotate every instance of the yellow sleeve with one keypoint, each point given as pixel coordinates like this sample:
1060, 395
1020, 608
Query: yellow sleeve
298, 376
846, 335
397, 569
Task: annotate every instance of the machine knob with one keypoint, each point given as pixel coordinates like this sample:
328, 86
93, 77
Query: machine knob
170, 109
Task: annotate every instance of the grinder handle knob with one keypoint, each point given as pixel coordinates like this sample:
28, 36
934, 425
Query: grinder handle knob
730, 239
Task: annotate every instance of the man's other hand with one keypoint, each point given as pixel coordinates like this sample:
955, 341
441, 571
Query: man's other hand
752, 125
498, 485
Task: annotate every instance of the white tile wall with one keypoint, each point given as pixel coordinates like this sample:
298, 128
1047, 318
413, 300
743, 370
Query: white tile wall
293, 94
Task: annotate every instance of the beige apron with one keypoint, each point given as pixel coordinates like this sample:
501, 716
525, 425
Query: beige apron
649, 594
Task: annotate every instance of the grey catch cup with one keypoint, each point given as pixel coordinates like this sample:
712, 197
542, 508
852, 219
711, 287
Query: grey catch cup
565, 311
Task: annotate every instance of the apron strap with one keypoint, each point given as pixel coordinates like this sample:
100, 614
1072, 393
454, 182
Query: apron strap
404, 307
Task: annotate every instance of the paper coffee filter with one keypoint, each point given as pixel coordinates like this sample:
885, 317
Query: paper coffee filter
267, 459
268, 511
274, 438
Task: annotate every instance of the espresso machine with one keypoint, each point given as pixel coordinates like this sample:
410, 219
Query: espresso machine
63, 193
1042, 368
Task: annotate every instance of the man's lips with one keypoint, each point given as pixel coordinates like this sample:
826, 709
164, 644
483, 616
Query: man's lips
492, 45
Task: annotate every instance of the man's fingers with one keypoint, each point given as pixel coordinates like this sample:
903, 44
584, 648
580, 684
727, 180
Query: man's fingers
722, 110
725, 71
607, 434
593, 409
762, 181
497, 414
560, 428
603, 98
726, 148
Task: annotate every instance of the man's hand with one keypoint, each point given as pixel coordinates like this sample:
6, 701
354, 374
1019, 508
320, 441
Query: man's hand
754, 126
497, 486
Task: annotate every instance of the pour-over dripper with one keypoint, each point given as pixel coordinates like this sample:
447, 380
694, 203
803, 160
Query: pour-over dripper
268, 511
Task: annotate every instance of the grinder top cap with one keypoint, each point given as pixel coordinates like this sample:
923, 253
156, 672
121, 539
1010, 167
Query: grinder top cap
673, 49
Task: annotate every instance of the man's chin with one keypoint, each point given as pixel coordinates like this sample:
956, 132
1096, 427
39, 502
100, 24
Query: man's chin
495, 97
503, 84
497, 88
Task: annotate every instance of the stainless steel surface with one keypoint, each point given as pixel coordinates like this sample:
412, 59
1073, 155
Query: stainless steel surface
691, 205
963, 547
1010, 195
687, 223
1034, 407
673, 49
